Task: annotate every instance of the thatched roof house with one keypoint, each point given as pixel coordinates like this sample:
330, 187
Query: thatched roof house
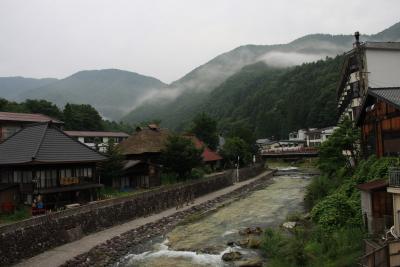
146, 141
142, 151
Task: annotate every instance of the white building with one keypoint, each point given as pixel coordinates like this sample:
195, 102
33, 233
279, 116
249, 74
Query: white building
300, 135
98, 140
316, 137
368, 65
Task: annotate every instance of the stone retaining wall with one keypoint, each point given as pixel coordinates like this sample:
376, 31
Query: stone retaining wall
33, 236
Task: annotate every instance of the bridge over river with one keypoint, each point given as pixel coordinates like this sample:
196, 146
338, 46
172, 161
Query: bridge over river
290, 153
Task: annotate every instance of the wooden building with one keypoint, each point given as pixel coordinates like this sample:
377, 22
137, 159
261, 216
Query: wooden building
11, 123
46, 163
376, 206
142, 151
379, 120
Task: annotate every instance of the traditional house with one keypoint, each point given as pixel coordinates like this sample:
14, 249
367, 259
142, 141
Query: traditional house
210, 157
98, 140
142, 151
379, 120
11, 123
367, 65
376, 206
49, 165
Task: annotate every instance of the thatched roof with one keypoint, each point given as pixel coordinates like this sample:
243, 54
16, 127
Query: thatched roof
147, 140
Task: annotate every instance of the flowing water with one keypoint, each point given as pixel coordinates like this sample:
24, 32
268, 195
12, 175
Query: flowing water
203, 242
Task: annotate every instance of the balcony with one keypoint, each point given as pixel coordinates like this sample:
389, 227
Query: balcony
394, 177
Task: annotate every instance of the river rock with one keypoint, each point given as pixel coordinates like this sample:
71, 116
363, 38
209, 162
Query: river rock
256, 262
232, 256
251, 231
289, 225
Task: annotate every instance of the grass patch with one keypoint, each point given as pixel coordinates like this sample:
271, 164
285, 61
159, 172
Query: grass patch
109, 192
20, 214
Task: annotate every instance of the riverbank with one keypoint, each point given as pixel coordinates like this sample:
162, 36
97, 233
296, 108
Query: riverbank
213, 239
107, 246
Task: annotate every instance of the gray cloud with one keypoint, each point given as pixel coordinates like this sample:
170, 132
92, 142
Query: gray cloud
164, 39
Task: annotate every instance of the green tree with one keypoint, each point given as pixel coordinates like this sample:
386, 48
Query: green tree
43, 107
82, 118
113, 167
205, 128
180, 156
341, 149
235, 147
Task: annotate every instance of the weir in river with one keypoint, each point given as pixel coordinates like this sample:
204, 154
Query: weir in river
203, 242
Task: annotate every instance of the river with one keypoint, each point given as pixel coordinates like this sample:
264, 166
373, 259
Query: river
202, 242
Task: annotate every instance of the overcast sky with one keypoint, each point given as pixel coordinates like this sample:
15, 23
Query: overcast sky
164, 38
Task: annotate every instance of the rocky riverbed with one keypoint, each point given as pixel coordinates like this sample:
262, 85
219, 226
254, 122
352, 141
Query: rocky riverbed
117, 250
231, 235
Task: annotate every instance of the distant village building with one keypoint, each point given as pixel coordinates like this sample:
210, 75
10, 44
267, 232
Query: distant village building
11, 122
300, 135
316, 137
368, 65
97, 139
48, 166
210, 158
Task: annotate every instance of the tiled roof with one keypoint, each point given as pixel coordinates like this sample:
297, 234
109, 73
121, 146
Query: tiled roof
382, 45
96, 134
208, 155
390, 95
27, 117
373, 185
45, 143
145, 141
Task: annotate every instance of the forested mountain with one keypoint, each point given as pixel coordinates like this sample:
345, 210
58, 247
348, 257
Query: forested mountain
273, 102
189, 92
12, 87
112, 92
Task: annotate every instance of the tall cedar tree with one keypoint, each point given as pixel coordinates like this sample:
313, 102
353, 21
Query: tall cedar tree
205, 128
180, 156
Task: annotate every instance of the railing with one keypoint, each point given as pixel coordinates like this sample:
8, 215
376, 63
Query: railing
290, 150
394, 176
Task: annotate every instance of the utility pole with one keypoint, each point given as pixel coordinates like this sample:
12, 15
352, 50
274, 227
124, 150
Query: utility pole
237, 169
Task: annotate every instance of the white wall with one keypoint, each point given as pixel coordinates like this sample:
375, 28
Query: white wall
383, 68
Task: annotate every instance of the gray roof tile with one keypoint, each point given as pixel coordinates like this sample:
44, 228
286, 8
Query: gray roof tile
391, 95
44, 143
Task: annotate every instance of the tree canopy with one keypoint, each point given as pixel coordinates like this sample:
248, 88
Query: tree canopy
205, 128
180, 156
75, 116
